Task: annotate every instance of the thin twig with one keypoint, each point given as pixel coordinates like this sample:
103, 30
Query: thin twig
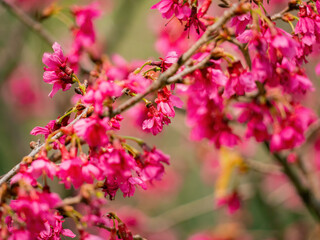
244, 51
34, 26
28, 21
182, 213
70, 201
15, 169
135, 237
304, 192
265, 168
279, 15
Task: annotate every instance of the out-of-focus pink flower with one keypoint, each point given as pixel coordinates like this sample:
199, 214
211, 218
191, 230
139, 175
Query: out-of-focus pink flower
241, 22
167, 8
151, 164
137, 83
85, 34
166, 101
240, 81
155, 120
257, 118
290, 132
308, 25
54, 232
32, 5
173, 38
57, 72
22, 93
35, 209
100, 92
42, 165
207, 120
232, 201
93, 130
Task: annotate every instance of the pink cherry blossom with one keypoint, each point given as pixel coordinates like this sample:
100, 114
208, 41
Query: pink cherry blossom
43, 166
166, 101
232, 202
155, 120
241, 22
35, 209
93, 130
102, 91
57, 72
173, 7
54, 232
85, 34
151, 164
137, 83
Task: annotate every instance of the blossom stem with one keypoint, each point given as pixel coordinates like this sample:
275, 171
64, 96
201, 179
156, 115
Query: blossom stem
138, 70
155, 69
137, 140
72, 110
81, 86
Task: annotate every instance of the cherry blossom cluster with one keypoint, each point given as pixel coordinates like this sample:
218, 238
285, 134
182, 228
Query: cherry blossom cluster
241, 77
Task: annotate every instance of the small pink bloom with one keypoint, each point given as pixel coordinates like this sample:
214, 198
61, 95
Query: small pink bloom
35, 209
24, 175
100, 92
70, 172
232, 201
151, 163
54, 231
42, 165
51, 127
57, 72
155, 120
93, 130
85, 34
173, 7
166, 101
137, 83
241, 22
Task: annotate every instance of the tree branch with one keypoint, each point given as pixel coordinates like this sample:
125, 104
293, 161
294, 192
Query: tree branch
34, 26
15, 169
163, 79
28, 21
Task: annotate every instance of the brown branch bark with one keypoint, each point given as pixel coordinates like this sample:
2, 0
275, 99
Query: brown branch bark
15, 169
28, 21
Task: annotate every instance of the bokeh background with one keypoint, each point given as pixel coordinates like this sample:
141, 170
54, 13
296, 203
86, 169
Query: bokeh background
183, 204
